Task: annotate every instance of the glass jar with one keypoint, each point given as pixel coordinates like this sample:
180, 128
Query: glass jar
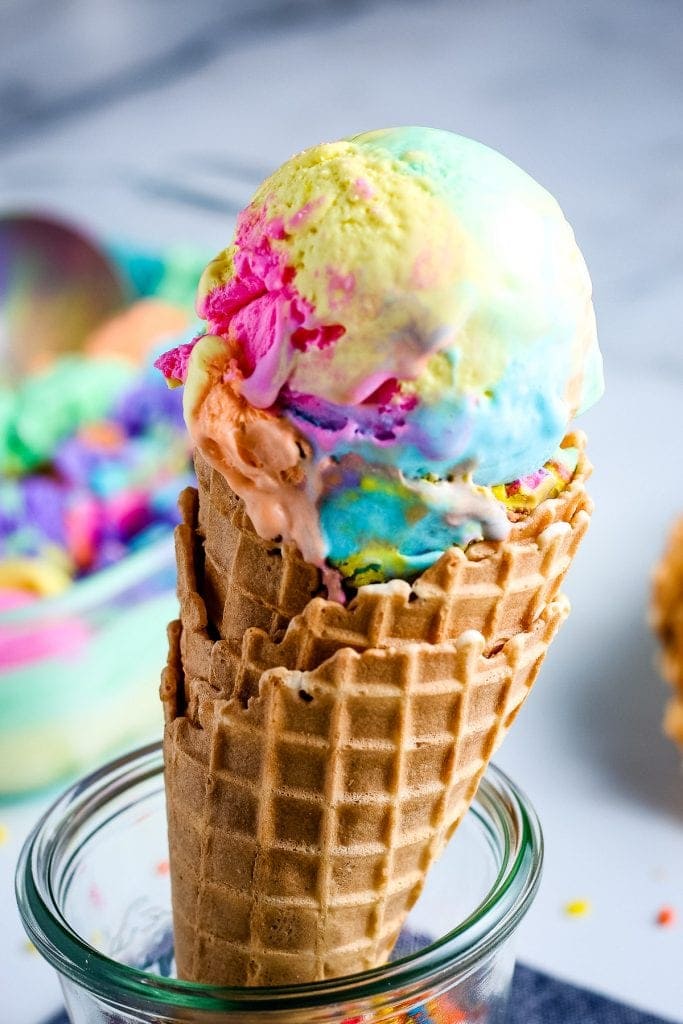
94, 894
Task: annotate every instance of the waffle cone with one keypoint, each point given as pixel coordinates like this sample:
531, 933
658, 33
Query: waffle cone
319, 756
667, 621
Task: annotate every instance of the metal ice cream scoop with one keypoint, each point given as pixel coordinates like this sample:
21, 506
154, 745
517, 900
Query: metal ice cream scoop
56, 286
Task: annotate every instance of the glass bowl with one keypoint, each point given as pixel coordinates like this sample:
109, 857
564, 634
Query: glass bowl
79, 672
94, 894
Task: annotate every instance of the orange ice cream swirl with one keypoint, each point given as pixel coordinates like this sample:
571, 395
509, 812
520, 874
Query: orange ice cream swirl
263, 457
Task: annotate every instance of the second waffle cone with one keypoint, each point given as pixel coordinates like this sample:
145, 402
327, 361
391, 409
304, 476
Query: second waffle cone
666, 615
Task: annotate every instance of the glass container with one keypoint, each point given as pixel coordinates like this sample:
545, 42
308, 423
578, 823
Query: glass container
94, 893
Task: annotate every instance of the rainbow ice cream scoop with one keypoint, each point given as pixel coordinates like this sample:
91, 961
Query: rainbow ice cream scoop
396, 342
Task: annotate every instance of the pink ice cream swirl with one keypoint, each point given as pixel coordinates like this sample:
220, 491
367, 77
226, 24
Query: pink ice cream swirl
260, 310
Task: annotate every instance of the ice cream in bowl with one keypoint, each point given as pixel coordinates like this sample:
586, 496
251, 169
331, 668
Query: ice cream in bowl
92, 453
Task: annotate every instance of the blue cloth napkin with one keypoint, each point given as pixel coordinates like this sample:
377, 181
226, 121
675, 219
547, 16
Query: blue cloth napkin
539, 999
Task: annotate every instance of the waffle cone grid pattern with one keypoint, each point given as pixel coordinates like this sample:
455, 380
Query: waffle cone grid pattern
313, 777
667, 621
329, 798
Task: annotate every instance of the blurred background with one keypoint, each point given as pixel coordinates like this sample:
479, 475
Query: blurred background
148, 126
156, 120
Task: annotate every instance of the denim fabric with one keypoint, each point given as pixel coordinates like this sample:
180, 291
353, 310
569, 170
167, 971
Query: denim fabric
539, 999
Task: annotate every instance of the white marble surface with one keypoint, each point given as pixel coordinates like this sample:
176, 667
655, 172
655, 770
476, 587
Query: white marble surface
148, 121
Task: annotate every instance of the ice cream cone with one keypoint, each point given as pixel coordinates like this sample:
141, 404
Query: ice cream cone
393, 345
319, 756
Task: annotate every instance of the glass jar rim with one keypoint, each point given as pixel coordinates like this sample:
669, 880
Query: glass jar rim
457, 952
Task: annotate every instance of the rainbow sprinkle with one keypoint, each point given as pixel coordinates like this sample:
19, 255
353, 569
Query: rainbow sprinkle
666, 918
578, 908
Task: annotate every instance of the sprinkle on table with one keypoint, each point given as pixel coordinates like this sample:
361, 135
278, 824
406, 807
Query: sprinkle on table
4, 834
162, 868
578, 908
28, 947
666, 918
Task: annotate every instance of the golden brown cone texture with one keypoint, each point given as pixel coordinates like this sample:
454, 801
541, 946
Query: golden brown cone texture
667, 620
318, 757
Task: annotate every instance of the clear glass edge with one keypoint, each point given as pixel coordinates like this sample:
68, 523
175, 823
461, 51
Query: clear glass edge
505, 905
